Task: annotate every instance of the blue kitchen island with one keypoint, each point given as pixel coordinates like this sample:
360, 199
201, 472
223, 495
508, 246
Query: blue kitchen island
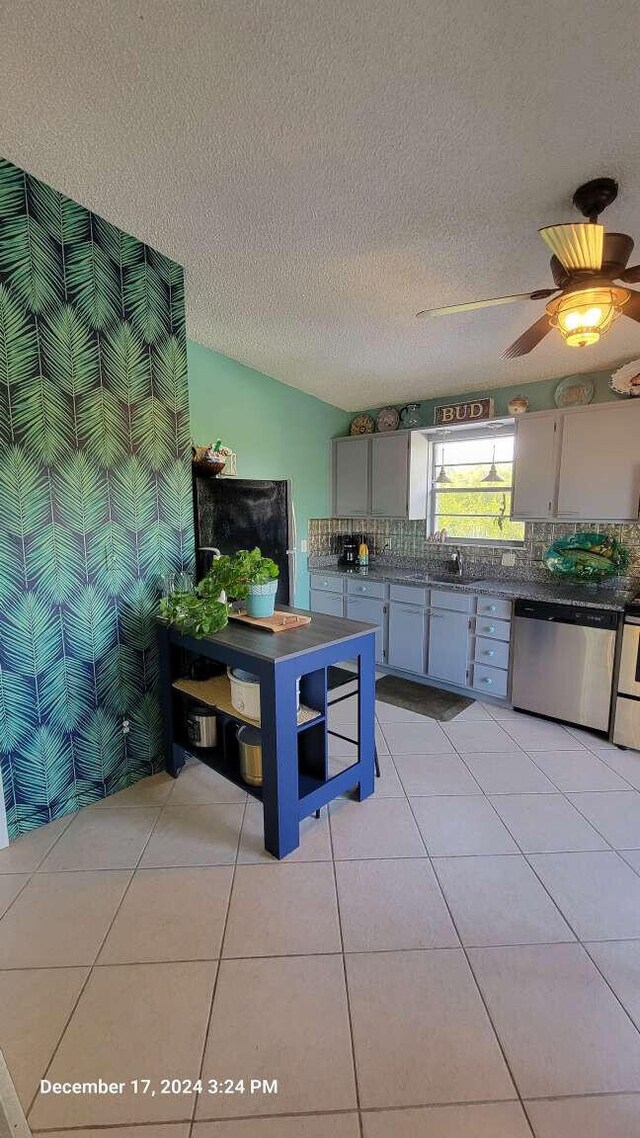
295, 767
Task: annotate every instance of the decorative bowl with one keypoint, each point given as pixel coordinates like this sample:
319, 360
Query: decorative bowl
586, 557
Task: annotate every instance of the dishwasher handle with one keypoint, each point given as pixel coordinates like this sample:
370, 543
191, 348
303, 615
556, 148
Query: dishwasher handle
582, 615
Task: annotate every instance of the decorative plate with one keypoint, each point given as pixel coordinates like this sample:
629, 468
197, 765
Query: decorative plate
518, 405
587, 557
626, 380
362, 425
574, 392
387, 419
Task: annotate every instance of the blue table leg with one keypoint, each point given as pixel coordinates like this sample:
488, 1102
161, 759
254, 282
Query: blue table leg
279, 760
366, 717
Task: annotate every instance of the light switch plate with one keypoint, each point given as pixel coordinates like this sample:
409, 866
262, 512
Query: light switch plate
303, 545
509, 559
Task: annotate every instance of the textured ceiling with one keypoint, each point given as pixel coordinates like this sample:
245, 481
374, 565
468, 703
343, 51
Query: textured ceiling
325, 169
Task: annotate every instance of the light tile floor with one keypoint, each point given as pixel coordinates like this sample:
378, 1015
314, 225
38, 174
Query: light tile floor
458, 957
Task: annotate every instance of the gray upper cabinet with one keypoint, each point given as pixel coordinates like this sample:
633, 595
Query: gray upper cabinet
579, 464
535, 466
389, 476
381, 476
351, 458
600, 464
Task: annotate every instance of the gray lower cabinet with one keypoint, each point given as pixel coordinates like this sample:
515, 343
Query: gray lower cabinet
373, 611
407, 640
330, 603
448, 640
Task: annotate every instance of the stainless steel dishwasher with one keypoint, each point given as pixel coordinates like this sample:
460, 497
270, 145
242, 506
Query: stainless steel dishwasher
563, 657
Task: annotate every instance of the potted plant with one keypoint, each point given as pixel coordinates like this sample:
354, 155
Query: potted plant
247, 576
254, 579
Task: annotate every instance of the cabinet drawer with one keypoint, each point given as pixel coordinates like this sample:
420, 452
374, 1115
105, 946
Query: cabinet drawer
327, 584
492, 652
494, 606
491, 680
448, 599
409, 593
496, 629
357, 587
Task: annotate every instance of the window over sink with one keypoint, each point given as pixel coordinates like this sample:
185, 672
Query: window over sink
471, 483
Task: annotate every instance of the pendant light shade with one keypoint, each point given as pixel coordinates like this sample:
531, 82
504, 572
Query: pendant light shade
442, 477
492, 475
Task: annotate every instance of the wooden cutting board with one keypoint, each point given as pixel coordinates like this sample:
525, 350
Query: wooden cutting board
279, 622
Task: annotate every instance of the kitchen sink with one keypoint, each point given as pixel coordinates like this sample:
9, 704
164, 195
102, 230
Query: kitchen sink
451, 580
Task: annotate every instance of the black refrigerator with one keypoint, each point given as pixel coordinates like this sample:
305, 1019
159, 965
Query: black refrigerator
240, 513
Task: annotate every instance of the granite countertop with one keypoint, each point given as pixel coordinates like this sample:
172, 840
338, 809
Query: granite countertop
585, 596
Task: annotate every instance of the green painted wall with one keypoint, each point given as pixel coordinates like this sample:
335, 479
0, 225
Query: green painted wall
539, 394
276, 431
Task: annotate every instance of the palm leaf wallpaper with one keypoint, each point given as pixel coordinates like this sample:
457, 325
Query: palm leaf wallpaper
95, 497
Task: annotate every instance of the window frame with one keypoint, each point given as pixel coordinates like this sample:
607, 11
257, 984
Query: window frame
490, 430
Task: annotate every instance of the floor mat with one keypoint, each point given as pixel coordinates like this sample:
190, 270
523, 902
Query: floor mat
433, 702
336, 677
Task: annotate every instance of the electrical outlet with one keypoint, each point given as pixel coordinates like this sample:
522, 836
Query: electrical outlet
509, 559
303, 545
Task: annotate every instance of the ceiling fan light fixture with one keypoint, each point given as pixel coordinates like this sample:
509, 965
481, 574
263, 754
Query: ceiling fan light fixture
584, 315
578, 246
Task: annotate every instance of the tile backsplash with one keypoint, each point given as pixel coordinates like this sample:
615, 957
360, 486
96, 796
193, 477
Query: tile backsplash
403, 544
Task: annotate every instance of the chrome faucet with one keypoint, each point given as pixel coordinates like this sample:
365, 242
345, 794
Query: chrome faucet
455, 562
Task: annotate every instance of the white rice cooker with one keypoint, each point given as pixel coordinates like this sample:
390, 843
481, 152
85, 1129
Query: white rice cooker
245, 693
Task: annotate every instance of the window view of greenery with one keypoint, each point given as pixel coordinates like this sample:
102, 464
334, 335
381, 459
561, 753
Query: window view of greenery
471, 482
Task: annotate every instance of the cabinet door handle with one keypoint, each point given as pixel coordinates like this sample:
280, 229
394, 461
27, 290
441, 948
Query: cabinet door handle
437, 615
490, 628
489, 652
487, 680
492, 608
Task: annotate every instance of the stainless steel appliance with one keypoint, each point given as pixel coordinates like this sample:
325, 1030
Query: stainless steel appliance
626, 722
202, 726
563, 657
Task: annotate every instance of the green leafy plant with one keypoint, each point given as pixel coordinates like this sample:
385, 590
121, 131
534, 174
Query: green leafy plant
202, 612
194, 615
249, 567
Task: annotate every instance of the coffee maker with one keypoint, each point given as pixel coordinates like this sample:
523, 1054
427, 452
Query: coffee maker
348, 558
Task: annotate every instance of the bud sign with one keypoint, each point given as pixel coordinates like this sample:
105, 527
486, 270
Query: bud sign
472, 412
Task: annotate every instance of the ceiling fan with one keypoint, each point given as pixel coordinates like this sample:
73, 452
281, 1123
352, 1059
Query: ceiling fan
585, 264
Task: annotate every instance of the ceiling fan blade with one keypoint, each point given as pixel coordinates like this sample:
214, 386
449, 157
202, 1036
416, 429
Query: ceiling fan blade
632, 307
630, 276
577, 245
470, 305
529, 339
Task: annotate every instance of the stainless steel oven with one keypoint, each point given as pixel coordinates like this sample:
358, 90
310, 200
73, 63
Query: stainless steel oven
626, 724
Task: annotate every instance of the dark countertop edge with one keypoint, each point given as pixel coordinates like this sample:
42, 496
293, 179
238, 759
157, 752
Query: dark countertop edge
529, 590
363, 628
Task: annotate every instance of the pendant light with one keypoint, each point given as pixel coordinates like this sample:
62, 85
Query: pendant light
442, 478
493, 475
